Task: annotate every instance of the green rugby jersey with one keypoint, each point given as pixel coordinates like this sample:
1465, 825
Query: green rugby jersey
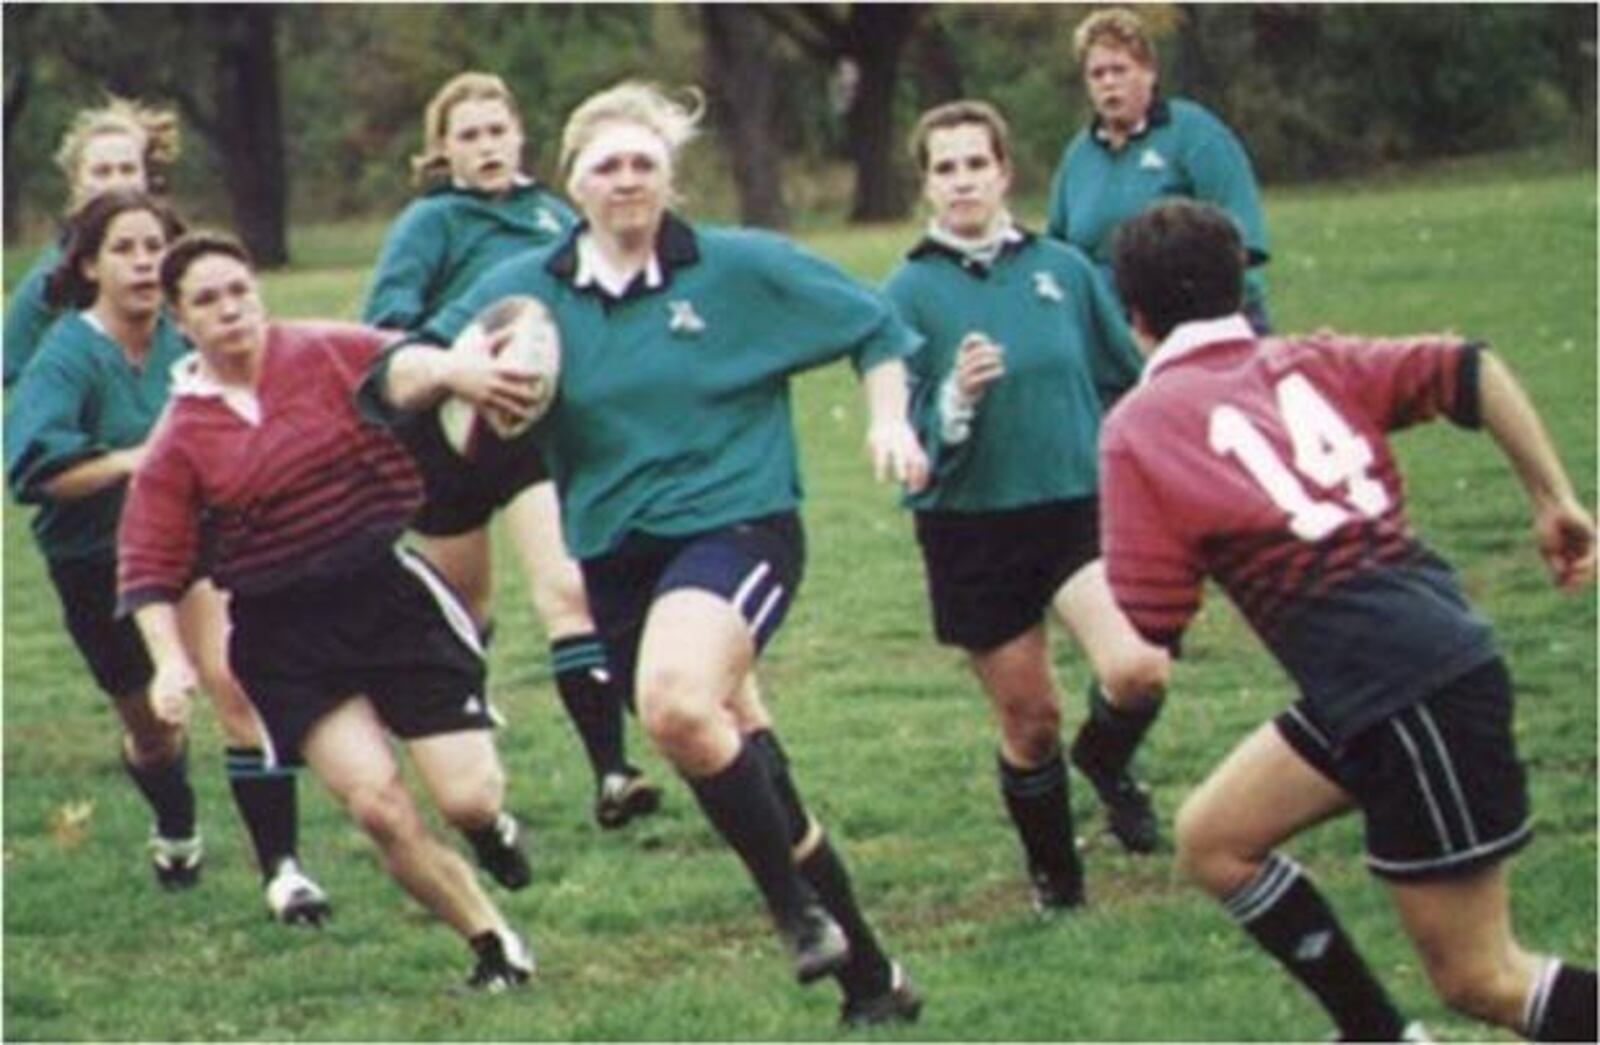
441, 243
28, 315
1068, 355
1184, 150
672, 417
77, 399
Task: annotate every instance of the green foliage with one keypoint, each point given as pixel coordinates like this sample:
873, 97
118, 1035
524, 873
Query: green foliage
654, 933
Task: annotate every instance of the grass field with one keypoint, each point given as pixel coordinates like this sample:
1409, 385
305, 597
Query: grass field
653, 933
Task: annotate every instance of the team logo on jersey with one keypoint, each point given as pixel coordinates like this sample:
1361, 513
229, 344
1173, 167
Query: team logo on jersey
1151, 160
473, 705
684, 319
1045, 285
545, 219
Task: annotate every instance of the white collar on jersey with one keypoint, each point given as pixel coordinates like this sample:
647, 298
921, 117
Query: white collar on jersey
1188, 338
189, 378
593, 269
519, 180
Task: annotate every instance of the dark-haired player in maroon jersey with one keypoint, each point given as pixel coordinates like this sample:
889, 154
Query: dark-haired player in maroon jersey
263, 469
1265, 464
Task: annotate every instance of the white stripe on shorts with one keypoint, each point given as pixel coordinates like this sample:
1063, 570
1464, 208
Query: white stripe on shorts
1421, 771
773, 598
455, 614
1426, 717
748, 585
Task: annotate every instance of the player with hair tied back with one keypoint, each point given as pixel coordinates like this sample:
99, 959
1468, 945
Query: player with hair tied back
78, 425
119, 145
1265, 464
478, 209
263, 467
672, 446
1025, 346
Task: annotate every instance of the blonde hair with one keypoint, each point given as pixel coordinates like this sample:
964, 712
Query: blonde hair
156, 131
431, 165
1116, 27
633, 101
967, 111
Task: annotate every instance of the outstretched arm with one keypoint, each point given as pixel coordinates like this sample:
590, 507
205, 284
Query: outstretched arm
418, 376
1562, 526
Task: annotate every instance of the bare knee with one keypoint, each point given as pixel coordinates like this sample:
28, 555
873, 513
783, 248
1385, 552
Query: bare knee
1136, 679
1208, 856
1476, 985
562, 602
673, 721
384, 811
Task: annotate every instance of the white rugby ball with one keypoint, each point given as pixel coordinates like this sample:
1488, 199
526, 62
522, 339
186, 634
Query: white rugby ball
534, 346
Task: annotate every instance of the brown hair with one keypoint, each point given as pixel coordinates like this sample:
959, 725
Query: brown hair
430, 165
1116, 27
957, 114
155, 129
191, 248
1179, 261
67, 286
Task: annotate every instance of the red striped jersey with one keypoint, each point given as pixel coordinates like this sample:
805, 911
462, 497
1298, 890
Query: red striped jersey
1265, 464
289, 485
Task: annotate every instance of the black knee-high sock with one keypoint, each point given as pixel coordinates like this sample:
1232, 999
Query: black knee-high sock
868, 973
266, 799
591, 700
1562, 1005
1288, 917
740, 804
167, 790
1041, 808
1108, 738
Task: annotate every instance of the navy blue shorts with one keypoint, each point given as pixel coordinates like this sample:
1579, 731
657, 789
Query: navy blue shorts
392, 630
460, 494
1439, 783
111, 646
992, 575
756, 565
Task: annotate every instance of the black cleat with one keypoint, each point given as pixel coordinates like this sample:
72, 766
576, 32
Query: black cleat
1130, 816
899, 1004
504, 962
818, 945
294, 899
500, 852
176, 861
623, 797
1056, 893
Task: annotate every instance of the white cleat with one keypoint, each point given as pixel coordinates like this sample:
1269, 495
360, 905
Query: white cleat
294, 899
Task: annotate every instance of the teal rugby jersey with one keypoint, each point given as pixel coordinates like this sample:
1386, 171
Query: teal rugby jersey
1184, 150
441, 243
28, 315
1068, 355
77, 399
672, 416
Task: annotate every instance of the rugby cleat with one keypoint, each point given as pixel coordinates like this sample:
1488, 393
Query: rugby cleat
624, 796
500, 853
816, 943
1056, 893
899, 1004
1130, 816
294, 899
504, 962
177, 861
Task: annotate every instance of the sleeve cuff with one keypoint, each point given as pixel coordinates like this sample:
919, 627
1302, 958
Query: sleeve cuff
956, 412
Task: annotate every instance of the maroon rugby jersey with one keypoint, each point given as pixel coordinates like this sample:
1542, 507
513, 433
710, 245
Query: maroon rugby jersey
262, 492
1266, 465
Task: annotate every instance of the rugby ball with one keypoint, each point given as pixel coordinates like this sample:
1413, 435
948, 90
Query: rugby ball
534, 346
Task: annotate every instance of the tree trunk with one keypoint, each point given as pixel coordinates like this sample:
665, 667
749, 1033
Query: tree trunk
879, 34
17, 81
740, 72
937, 68
249, 127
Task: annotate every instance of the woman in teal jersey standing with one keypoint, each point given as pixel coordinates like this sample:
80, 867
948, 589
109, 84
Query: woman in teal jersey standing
1024, 348
479, 208
75, 432
673, 448
1141, 147
121, 145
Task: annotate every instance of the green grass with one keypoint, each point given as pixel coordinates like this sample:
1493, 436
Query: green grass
654, 933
